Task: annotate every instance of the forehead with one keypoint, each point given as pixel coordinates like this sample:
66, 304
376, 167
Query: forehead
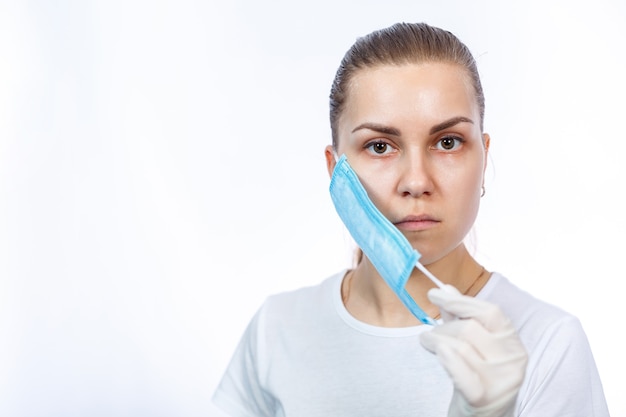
427, 91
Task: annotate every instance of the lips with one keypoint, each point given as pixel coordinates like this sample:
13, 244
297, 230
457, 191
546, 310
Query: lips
417, 222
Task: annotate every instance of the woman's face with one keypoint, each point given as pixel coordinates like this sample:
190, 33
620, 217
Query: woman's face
412, 134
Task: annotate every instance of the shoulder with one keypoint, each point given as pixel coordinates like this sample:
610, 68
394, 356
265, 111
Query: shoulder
281, 320
305, 297
287, 312
561, 378
306, 294
524, 309
546, 330
301, 307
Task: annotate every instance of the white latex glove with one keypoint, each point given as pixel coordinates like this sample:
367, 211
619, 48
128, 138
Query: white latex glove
481, 351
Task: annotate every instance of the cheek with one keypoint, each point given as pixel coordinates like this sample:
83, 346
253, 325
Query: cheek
466, 176
379, 186
461, 185
468, 198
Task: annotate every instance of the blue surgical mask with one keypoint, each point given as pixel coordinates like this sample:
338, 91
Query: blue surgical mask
385, 246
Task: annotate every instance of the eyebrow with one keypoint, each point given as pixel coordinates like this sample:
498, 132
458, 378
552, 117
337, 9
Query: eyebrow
378, 128
395, 132
449, 123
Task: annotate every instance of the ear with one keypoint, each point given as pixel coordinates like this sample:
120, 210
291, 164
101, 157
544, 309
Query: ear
330, 159
486, 143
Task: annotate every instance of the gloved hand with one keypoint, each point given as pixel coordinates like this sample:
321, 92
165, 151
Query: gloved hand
481, 351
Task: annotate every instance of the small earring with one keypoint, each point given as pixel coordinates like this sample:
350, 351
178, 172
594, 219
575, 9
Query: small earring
483, 193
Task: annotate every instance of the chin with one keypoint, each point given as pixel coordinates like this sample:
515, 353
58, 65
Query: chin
432, 255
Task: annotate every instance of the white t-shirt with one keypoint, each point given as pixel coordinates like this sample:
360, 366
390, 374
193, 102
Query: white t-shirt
304, 355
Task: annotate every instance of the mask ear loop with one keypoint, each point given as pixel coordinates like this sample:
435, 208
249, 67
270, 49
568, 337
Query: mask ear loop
430, 276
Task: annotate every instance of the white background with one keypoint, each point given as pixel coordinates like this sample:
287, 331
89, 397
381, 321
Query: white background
162, 172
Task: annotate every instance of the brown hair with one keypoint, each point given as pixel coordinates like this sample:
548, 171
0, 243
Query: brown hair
402, 43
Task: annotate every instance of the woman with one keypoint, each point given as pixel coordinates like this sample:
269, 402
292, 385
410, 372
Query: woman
407, 112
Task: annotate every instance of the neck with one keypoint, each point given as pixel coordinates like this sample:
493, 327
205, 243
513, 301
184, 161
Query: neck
369, 299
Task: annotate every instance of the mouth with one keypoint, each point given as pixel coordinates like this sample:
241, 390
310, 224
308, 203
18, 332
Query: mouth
417, 223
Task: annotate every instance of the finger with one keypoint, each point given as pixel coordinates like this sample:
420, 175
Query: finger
490, 354
458, 359
473, 333
462, 306
446, 316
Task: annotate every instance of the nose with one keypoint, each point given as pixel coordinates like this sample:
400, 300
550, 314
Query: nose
415, 176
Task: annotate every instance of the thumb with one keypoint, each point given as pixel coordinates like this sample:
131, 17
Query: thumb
453, 304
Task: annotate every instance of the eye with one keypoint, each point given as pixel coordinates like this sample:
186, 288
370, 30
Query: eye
379, 147
449, 143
